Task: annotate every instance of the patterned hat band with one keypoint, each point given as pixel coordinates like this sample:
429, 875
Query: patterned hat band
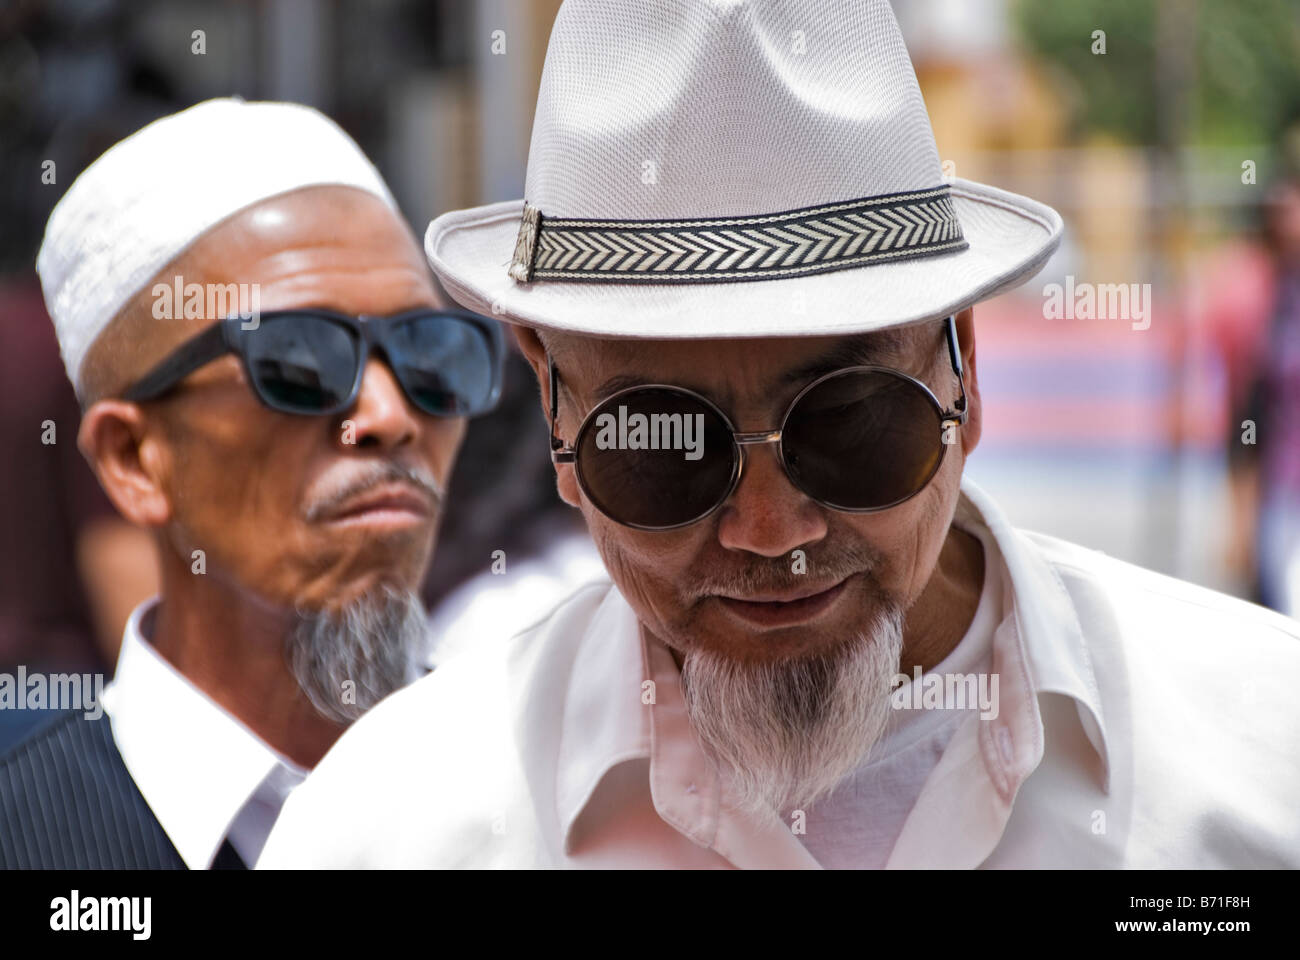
837, 236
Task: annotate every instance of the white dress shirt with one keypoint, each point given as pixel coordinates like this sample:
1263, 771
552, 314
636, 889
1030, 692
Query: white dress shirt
1142, 722
204, 774
493, 604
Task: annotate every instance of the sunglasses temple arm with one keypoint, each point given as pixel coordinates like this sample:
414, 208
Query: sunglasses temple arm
954, 354
187, 358
559, 452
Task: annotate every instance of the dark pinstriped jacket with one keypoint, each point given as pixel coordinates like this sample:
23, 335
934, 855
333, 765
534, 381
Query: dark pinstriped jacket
68, 802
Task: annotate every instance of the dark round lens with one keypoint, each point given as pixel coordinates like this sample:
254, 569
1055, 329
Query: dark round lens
863, 440
445, 363
655, 458
301, 363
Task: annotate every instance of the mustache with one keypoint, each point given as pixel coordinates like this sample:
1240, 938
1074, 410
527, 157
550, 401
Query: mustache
366, 477
826, 565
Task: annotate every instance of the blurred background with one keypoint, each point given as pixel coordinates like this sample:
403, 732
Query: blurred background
1166, 132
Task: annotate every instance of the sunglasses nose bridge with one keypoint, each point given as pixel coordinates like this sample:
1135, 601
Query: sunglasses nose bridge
743, 442
757, 438
373, 345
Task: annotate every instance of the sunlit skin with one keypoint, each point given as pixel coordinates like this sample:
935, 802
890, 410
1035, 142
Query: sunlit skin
933, 569
209, 468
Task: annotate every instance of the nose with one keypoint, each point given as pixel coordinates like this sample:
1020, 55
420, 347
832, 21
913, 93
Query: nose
381, 416
766, 514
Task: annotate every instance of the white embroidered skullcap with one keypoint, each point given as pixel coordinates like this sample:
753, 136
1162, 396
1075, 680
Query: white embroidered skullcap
147, 199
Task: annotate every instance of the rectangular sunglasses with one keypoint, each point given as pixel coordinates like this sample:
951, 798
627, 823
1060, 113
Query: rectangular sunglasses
860, 439
311, 361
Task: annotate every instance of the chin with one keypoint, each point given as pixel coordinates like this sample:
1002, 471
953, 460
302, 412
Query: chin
338, 596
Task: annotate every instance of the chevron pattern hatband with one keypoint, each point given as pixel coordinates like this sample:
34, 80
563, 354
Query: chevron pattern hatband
768, 247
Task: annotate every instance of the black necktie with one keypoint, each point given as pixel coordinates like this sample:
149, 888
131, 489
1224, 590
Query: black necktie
227, 858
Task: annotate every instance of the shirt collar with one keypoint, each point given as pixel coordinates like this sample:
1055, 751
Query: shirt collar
606, 712
195, 764
624, 703
1046, 620
962, 811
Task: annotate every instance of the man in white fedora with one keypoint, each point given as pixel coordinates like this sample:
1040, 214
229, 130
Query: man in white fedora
747, 293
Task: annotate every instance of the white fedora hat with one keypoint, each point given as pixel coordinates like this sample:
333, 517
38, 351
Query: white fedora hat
735, 168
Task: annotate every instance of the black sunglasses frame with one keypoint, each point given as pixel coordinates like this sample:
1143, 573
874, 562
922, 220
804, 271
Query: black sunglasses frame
956, 416
231, 335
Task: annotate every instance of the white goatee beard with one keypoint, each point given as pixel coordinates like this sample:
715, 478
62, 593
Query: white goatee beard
785, 733
347, 662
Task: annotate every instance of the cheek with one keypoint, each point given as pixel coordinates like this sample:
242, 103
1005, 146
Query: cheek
646, 566
236, 491
931, 521
910, 536
440, 442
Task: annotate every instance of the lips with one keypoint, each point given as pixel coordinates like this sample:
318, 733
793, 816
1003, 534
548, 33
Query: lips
785, 608
389, 505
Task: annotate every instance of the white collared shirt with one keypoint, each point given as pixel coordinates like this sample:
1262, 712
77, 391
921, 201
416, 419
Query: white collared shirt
204, 774
1142, 722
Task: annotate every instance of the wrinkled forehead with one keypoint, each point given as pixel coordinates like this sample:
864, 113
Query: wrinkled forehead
738, 374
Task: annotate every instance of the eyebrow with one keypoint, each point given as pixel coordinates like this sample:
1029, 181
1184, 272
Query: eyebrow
614, 384
859, 350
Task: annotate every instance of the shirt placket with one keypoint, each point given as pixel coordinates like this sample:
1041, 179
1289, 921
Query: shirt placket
963, 809
688, 793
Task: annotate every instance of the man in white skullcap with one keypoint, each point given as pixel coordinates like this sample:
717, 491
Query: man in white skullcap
747, 292
272, 387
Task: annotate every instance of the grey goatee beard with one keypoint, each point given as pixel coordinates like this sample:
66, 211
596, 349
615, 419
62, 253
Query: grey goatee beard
783, 734
347, 662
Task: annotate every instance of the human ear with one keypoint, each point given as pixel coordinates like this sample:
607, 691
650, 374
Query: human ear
129, 458
974, 425
534, 351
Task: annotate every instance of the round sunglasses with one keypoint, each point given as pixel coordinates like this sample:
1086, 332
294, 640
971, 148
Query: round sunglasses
860, 440
311, 361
